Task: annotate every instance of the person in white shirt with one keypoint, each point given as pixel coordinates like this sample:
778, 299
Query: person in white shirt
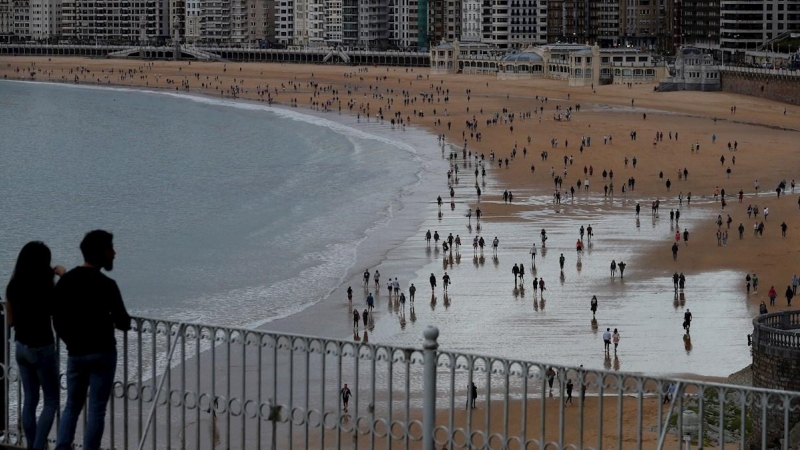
607, 339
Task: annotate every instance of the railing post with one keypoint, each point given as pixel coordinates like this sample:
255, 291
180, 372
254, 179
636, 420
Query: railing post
429, 387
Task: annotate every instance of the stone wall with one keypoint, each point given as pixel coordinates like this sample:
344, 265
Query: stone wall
773, 87
776, 365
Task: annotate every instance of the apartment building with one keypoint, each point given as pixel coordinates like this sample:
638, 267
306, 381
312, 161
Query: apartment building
45, 19
373, 24
309, 23
192, 19
333, 22
697, 23
528, 24
404, 24
22, 18
177, 19
496, 23
6, 20
570, 21
444, 20
471, 20
606, 20
747, 24
640, 23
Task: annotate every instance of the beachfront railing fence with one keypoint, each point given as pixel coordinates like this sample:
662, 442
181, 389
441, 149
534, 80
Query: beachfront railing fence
193, 386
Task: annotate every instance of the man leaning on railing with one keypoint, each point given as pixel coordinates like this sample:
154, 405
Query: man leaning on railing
88, 306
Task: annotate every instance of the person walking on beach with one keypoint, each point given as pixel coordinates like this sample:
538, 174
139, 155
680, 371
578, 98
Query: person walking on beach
593, 305
570, 386
370, 301
366, 279
675, 281
349, 294
772, 296
615, 339
755, 284
789, 295
30, 296
433, 282
607, 339
522, 275
675, 252
356, 319
685, 236
561, 262
613, 268
541, 287
88, 307
428, 238
533, 254
687, 320
411, 291
495, 243
515, 271
551, 376
345, 392
365, 318
436, 238
795, 282
681, 281
445, 282
396, 286
621, 265
377, 278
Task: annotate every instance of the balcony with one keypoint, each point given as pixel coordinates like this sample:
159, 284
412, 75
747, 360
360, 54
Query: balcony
187, 385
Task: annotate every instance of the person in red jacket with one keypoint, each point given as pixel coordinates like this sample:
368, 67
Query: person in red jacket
772, 295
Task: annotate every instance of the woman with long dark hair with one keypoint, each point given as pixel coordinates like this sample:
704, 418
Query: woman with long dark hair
30, 297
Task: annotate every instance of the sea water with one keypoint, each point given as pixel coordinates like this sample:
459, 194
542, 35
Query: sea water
228, 212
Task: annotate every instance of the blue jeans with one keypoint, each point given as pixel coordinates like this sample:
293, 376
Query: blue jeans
95, 374
38, 368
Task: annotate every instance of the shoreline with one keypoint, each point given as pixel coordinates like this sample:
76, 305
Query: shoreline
513, 178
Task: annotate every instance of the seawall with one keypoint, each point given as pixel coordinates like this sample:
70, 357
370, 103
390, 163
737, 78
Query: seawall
764, 84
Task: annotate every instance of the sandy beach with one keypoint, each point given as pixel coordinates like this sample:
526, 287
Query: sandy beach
763, 132
484, 312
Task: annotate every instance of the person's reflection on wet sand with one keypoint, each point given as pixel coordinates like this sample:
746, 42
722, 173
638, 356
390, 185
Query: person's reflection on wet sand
413, 314
446, 300
356, 336
616, 363
607, 361
594, 325
366, 337
433, 302
687, 343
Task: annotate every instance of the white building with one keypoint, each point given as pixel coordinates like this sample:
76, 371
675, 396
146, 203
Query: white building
192, 21
45, 19
22, 18
404, 18
747, 24
309, 23
333, 22
284, 21
471, 20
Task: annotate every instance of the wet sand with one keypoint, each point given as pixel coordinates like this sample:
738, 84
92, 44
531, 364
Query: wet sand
483, 313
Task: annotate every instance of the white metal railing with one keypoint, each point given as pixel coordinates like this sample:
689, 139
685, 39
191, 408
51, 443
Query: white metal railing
191, 386
762, 71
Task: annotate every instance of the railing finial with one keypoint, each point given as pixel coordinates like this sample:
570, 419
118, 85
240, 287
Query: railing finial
431, 334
